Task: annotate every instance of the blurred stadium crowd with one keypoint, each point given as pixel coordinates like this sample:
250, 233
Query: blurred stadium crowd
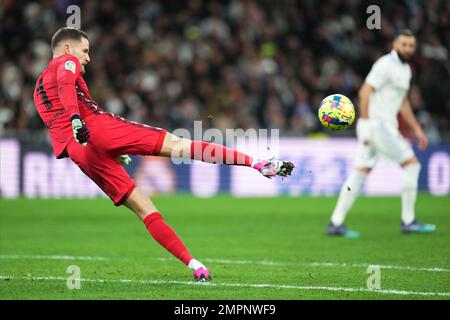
232, 64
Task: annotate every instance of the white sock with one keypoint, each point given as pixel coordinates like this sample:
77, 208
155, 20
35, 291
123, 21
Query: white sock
347, 196
410, 182
194, 264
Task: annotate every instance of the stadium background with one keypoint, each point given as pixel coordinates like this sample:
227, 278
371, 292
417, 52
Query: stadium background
229, 64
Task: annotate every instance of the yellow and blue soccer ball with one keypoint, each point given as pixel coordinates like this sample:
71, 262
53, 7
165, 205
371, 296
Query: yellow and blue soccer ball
336, 112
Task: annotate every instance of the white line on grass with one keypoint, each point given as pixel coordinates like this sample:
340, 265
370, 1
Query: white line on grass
218, 284
237, 262
50, 257
382, 266
319, 264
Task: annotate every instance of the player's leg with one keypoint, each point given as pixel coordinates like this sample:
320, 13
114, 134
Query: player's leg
118, 136
410, 182
140, 204
112, 178
394, 145
365, 160
174, 146
348, 194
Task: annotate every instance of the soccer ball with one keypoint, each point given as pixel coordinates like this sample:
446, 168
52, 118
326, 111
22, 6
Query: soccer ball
336, 112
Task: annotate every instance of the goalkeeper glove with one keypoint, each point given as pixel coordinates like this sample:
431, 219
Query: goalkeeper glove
364, 130
124, 159
80, 130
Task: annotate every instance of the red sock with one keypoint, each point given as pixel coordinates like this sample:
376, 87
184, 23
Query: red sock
166, 237
216, 153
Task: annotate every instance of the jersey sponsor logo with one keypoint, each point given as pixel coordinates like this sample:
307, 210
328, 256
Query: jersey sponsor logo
54, 118
70, 65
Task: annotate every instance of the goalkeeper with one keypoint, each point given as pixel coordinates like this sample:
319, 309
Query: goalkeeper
98, 142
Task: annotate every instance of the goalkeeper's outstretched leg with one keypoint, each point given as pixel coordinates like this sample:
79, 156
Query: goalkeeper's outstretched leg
174, 146
140, 204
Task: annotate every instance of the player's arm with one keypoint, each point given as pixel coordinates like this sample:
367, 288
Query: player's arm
410, 119
363, 129
363, 95
66, 76
376, 78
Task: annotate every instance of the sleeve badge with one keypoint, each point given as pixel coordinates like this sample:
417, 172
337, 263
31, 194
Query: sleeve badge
70, 65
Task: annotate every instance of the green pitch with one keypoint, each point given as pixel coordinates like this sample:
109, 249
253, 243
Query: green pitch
255, 249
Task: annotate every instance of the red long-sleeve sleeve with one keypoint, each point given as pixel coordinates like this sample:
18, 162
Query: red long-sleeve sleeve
66, 76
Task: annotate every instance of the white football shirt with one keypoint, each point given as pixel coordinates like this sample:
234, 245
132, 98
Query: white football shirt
391, 79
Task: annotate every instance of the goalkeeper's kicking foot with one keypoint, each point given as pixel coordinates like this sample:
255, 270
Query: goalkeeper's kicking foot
274, 167
202, 275
417, 227
342, 231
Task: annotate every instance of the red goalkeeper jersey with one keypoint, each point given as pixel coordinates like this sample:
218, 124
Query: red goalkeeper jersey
61, 92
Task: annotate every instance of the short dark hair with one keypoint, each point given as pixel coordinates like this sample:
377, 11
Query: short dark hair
67, 33
405, 32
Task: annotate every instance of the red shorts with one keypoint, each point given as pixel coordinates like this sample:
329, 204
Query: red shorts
112, 136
